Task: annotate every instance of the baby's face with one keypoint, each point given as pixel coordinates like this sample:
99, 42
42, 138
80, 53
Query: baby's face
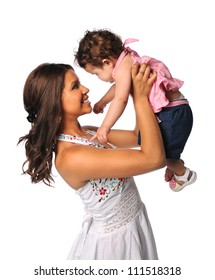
104, 73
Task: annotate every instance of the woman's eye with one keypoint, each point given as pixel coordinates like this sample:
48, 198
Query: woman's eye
75, 86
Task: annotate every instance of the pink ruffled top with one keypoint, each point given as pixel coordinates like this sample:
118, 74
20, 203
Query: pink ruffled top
164, 79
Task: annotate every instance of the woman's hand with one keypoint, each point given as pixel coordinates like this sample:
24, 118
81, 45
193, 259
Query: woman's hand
142, 80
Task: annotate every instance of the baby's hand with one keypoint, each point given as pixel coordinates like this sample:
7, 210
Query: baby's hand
98, 108
101, 134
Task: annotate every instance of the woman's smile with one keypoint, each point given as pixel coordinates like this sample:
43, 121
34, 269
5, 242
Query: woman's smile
86, 100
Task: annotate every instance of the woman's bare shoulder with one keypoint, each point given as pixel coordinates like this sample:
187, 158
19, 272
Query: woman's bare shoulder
68, 164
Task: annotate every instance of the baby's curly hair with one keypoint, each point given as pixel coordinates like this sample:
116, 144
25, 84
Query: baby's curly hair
97, 45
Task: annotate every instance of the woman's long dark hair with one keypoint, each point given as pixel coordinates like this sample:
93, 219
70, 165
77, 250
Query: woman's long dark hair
42, 100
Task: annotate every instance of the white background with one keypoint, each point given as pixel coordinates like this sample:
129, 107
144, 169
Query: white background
38, 223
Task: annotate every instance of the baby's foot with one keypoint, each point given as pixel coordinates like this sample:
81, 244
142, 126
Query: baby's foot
168, 175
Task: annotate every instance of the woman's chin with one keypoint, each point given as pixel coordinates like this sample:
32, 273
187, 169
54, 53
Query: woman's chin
88, 109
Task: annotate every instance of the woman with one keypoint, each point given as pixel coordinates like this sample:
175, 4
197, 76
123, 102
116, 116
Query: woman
116, 225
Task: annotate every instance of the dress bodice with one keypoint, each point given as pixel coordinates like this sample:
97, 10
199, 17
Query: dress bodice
106, 200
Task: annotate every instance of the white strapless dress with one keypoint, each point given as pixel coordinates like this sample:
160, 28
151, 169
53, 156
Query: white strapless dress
116, 224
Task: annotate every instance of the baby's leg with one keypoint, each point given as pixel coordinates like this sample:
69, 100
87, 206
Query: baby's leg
176, 166
176, 124
173, 167
181, 175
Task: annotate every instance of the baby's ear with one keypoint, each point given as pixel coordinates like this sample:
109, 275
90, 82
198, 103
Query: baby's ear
107, 61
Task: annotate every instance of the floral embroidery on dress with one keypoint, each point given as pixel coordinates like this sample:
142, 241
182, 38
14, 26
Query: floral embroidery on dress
78, 140
104, 187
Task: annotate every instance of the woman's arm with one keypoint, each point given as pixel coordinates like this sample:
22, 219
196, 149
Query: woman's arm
120, 138
80, 163
146, 119
124, 138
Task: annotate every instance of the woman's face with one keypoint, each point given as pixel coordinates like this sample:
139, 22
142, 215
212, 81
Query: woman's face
74, 97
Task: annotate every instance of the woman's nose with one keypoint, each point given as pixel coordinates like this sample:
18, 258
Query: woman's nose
84, 89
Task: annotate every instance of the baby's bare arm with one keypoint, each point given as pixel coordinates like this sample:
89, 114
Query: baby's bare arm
106, 99
119, 102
